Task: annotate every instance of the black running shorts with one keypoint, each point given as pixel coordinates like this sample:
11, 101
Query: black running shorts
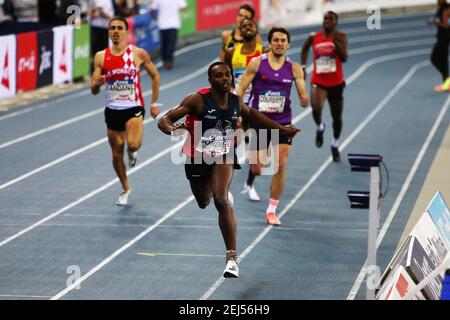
267, 135
116, 119
202, 171
333, 93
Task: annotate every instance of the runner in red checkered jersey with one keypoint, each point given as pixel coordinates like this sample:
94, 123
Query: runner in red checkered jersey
118, 68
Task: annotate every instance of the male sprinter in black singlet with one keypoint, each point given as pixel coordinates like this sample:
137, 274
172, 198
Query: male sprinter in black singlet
216, 109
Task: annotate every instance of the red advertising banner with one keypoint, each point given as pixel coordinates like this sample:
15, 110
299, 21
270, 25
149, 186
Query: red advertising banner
219, 13
27, 61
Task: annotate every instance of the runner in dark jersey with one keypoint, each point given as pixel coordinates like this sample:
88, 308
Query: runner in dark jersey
439, 57
211, 116
327, 81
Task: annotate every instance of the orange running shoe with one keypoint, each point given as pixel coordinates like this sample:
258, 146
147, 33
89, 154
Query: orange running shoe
272, 219
443, 87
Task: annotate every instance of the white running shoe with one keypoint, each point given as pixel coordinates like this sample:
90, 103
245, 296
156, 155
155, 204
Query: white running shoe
230, 199
231, 269
132, 159
122, 200
251, 192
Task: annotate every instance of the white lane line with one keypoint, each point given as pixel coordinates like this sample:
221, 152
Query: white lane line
190, 199
362, 274
121, 249
200, 72
354, 76
91, 194
154, 254
322, 168
50, 128
68, 156
15, 113
23, 296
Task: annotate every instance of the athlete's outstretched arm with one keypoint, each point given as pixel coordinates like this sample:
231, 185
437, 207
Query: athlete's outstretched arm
300, 85
190, 104
265, 122
97, 79
154, 74
249, 75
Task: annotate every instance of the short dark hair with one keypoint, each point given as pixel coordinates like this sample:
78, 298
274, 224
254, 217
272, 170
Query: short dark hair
249, 8
334, 14
214, 64
278, 29
119, 19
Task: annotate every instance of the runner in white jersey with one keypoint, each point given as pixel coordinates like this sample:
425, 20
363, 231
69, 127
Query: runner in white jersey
118, 68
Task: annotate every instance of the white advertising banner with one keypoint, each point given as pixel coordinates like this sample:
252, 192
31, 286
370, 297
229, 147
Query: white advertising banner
427, 234
62, 54
362, 5
291, 13
7, 66
398, 285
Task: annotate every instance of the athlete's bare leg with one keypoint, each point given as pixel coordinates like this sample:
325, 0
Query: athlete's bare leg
318, 96
134, 130
221, 177
279, 178
117, 142
262, 159
336, 108
202, 192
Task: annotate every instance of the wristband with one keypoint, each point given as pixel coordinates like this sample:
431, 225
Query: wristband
155, 105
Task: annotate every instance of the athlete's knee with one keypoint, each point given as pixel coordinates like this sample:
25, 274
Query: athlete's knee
134, 146
202, 203
316, 106
281, 169
255, 170
117, 150
221, 202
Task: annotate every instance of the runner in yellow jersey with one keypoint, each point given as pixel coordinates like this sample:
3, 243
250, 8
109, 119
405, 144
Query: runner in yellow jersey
231, 37
238, 58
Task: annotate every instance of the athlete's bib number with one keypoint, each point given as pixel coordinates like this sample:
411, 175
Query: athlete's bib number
273, 103
214, 145
325, 64
121, 90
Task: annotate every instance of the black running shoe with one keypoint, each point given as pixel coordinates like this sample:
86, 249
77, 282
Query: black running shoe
319, 137
336, 155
